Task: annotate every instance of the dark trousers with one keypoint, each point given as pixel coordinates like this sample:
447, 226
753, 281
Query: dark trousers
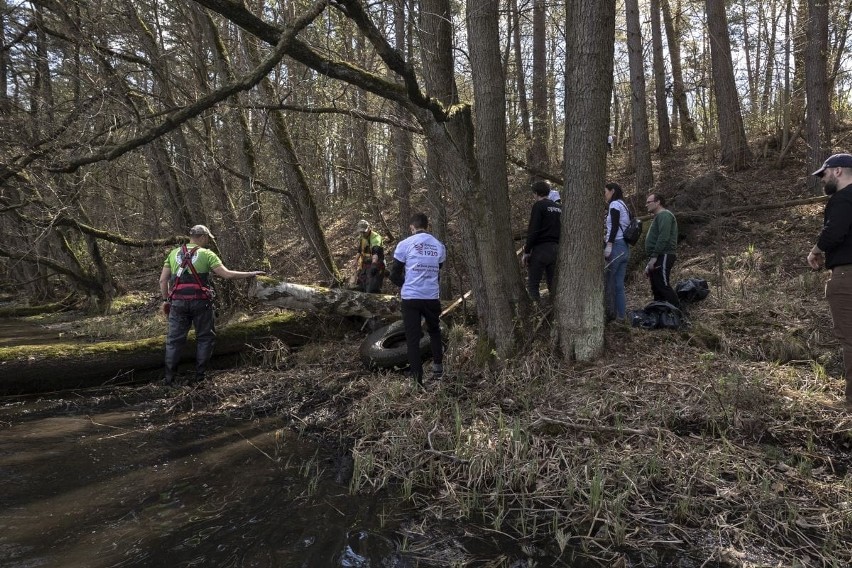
412, 312
838, 292
542, 262
660, 286
185, 314
371, 278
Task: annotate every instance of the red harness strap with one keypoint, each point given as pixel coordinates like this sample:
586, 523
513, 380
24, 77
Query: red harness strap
200, 291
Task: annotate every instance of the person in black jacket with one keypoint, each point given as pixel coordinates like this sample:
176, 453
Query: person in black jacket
834, 249
542, 244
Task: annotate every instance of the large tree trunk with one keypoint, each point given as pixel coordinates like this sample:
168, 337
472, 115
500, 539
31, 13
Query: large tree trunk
490, 203
735, 151
818, 115
639, 111
590, 29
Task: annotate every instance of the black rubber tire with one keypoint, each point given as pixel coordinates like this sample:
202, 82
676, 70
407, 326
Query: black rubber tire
385, 348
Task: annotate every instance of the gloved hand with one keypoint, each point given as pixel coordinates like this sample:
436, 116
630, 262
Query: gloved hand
525, 259
650, 266
608, 251
166, 307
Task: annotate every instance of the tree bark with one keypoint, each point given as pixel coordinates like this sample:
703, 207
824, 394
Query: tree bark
818, 113
540, 157
687, 126
590, 32
734, 144
663, 127
639, 112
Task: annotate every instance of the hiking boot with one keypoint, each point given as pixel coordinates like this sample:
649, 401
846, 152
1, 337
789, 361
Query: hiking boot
168, 380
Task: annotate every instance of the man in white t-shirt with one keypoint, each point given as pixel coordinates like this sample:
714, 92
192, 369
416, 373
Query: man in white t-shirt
416, 270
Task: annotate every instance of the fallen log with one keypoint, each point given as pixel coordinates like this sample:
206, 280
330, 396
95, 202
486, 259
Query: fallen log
42, 368
338, 301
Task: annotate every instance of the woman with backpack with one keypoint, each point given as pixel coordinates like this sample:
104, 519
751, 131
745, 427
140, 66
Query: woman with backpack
616, 252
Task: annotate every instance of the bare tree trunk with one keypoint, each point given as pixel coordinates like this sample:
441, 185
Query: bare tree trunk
401, 138
502, 277
520, 77
540, 130
590, 32
734, 145
663, 127
818, 115
437, 45
639, 112
687, 127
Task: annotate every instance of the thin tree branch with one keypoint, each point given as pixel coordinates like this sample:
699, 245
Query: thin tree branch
177, 118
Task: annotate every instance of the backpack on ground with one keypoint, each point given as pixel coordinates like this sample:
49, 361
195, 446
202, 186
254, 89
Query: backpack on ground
692, 290
659, 315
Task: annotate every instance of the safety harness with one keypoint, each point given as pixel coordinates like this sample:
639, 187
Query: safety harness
186, 289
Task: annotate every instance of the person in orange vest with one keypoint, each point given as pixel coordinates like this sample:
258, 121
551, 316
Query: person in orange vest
370, 260
188, 299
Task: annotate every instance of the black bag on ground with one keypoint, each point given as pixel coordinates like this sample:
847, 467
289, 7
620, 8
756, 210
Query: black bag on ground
659, 315
692, 290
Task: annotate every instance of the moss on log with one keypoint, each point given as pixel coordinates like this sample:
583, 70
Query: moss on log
41, 368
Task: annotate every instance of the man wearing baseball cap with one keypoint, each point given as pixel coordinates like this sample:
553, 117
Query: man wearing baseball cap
188, 299
834, 249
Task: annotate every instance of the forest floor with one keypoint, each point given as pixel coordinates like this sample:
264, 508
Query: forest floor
725, 440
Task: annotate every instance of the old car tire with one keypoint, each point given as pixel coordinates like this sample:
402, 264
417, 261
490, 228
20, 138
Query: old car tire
385, 348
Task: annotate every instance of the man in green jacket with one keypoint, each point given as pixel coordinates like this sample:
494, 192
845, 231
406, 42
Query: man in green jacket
660, 246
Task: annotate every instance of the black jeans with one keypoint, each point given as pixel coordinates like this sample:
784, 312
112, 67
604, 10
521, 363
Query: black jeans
542, 262
660, 286
412, 312
183, 315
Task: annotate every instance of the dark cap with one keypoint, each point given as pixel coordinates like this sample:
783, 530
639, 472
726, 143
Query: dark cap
835, 161
201, 230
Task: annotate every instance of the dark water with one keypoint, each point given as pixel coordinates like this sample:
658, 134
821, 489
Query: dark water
91, 486
109, 478
21, 332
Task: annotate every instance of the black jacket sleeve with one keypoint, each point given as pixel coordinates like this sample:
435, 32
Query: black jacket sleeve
397, 273
615, 222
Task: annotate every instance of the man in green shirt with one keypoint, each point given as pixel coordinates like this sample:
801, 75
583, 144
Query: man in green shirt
188, 299
660, 246
370, 260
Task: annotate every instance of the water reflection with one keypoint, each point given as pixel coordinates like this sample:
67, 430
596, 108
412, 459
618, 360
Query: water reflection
93, 487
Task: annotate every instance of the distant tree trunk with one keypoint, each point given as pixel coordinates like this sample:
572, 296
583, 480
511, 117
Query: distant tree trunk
818, 113
751, 71
663, 128
300, 196
540, 129
770, 29
249, 232
734, 145
590, 33
687, 127
403, 173
639, 111
799, 35
520, 77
